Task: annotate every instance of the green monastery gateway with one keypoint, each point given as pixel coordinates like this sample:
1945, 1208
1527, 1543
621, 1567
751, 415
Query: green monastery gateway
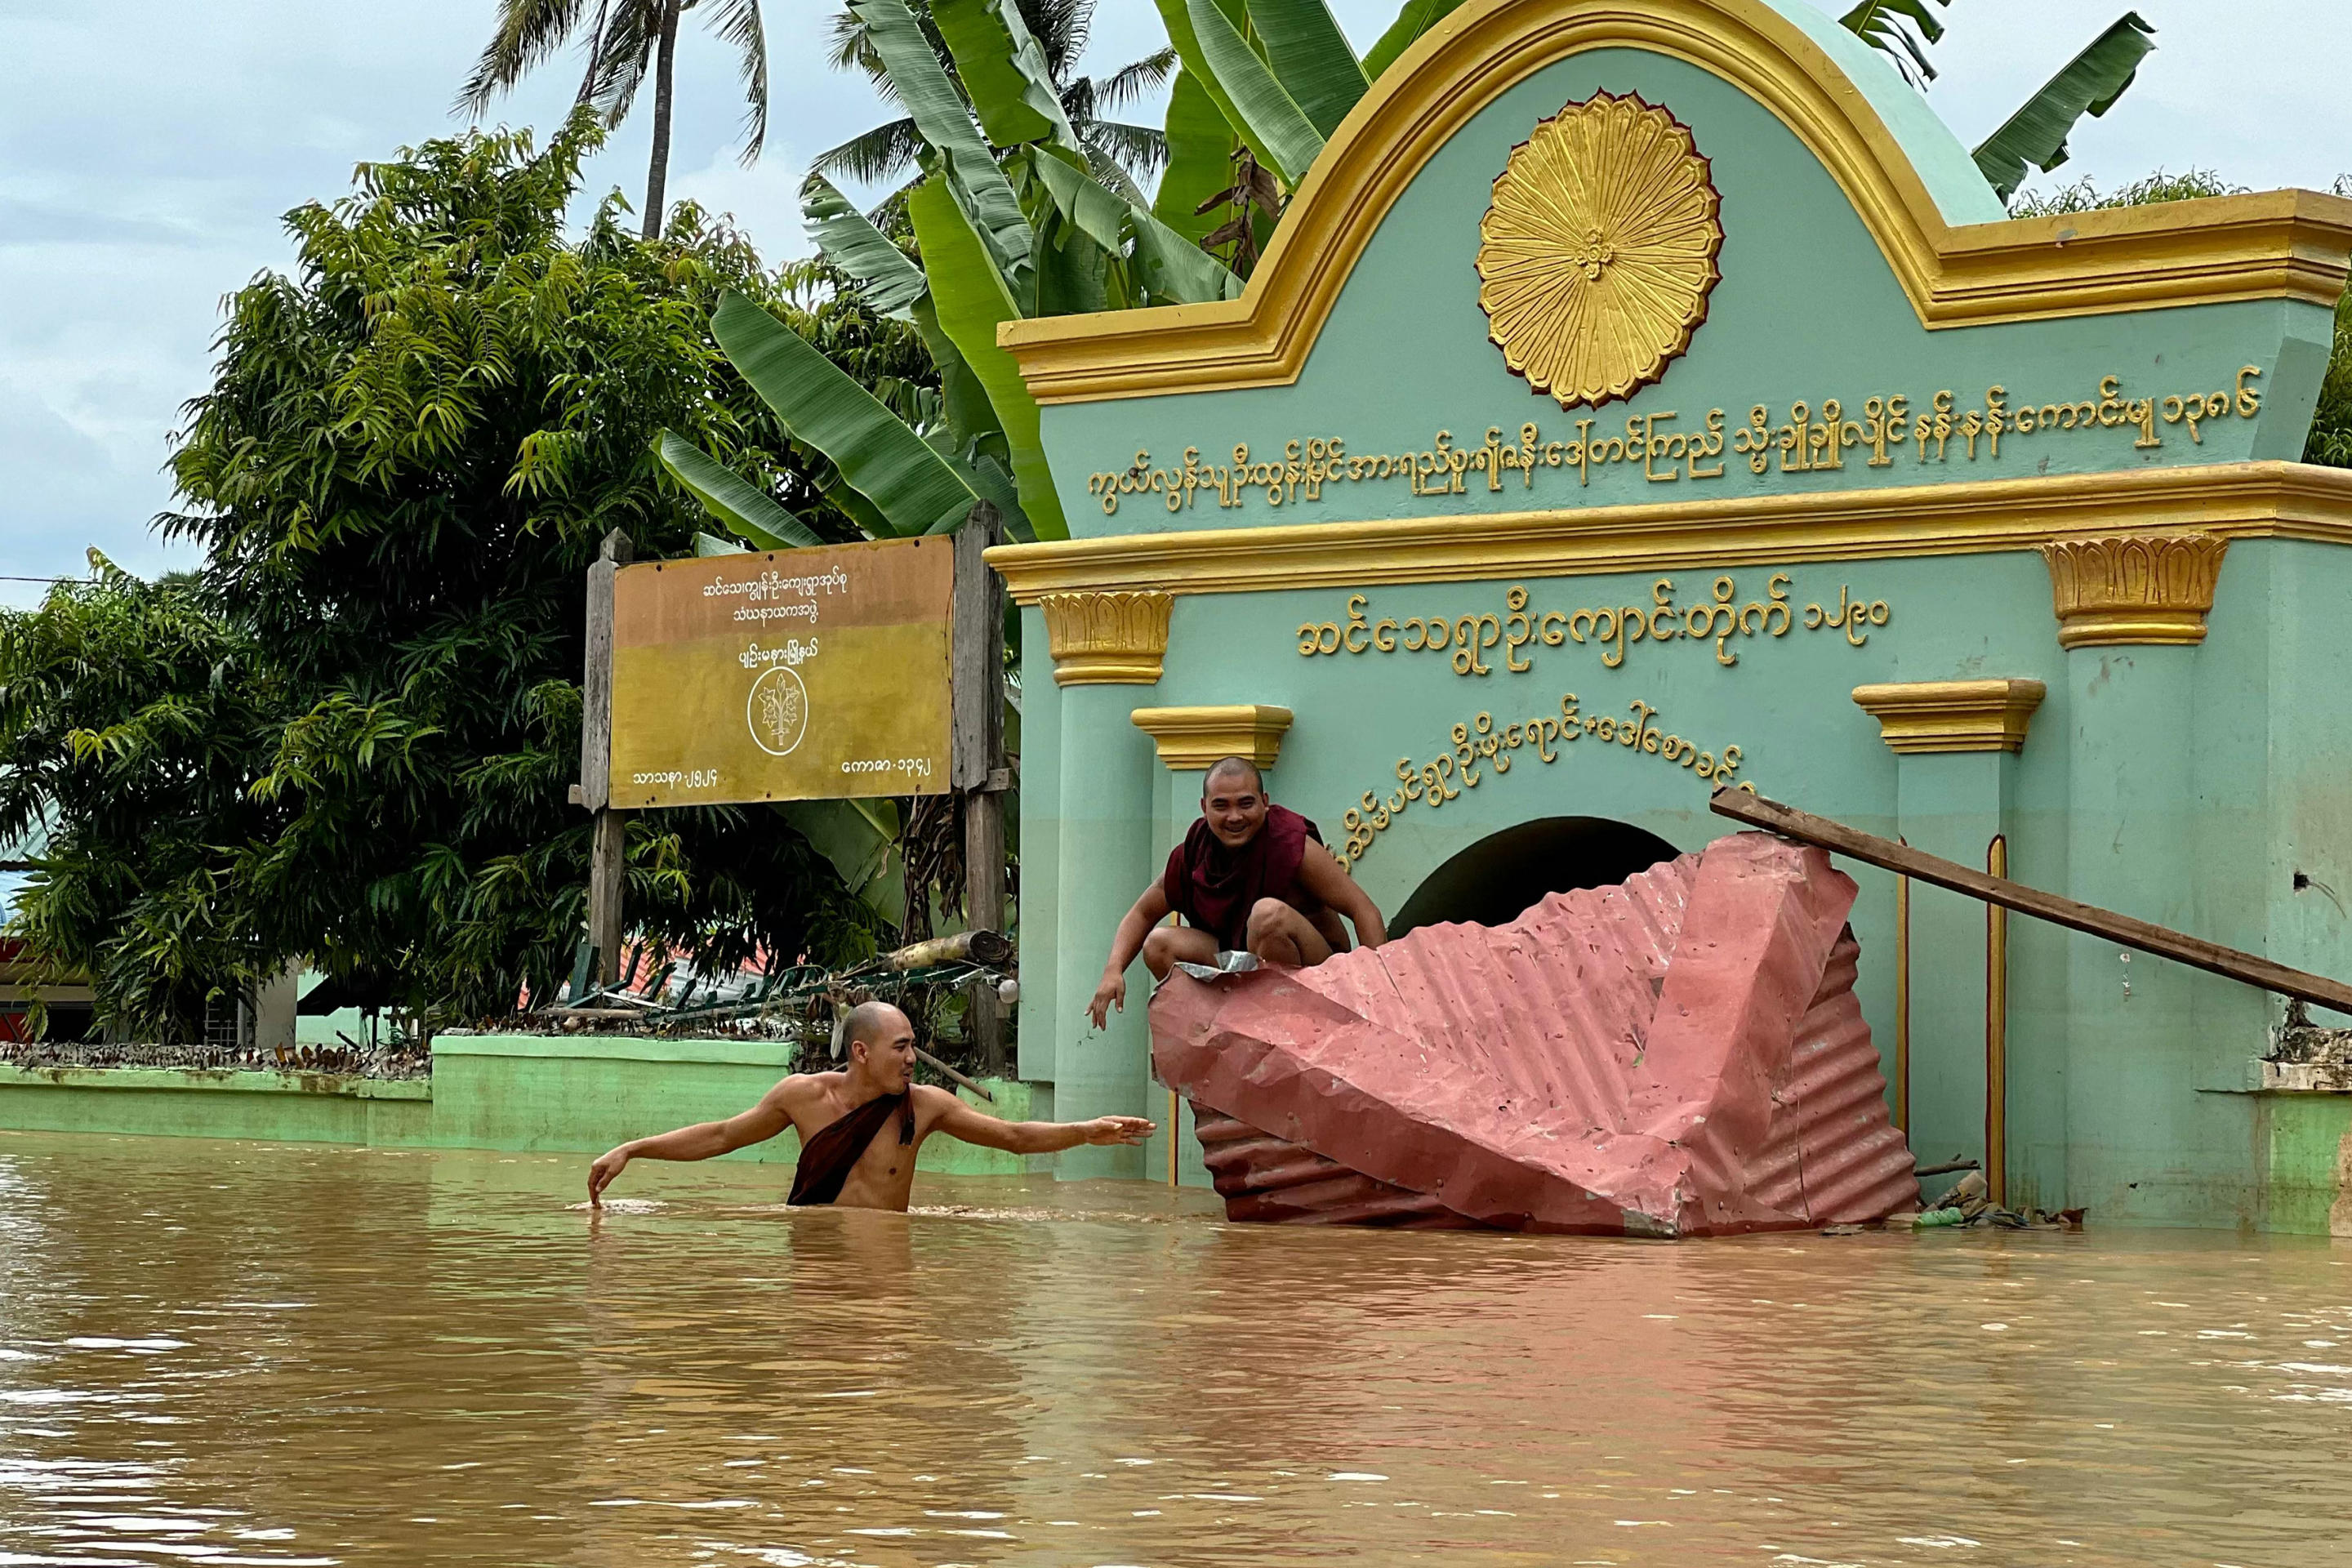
1650, 396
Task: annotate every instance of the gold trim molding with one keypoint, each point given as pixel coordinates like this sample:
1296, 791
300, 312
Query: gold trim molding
2276, 245
1951, 715
1117, 638
2132, 588
1190, 738
2228, 500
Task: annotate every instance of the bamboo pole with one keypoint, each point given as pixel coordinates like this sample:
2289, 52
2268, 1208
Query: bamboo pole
1872, 850
1903, 1004
1995, 1161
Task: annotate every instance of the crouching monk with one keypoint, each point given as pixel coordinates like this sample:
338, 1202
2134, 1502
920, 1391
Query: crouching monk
1251, 876
860, 1129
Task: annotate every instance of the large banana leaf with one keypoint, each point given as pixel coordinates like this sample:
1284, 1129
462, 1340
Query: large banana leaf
2092, 82
1311, 57
1285, 140
733, 499
969, 413
1417, 17
1172, 268
973, 301
1004, 72
1177, 16
1879, 24
944, 120
912, 488
892, 282
1200, 143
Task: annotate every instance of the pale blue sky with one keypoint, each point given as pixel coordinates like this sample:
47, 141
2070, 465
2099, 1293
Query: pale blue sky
147, 151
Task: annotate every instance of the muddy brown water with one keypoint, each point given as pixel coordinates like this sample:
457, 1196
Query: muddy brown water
238, 1353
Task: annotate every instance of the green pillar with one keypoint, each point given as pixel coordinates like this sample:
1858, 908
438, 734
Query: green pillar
2131, 611
1107, 648
1955, 743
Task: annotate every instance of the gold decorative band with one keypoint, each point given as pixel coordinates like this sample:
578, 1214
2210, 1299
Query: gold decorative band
1190, 738
2289, 500
1106, 639
1952, 715
2132, 588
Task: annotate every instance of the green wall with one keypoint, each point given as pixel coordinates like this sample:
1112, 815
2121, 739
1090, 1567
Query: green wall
530, 1092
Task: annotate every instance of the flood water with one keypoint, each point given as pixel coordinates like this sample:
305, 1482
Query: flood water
237, 1353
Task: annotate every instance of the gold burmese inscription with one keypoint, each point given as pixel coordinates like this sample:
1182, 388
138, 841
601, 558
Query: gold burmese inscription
1598, 253
1487, 747
1668, 447
1613, 628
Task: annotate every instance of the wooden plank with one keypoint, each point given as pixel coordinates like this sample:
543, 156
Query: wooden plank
2148, 937
607, 871
978, 655
596, 677
607, 878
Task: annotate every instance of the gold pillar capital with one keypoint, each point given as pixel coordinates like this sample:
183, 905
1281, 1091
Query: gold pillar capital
2132, 588
1106, 639
1190, 738
1952, 715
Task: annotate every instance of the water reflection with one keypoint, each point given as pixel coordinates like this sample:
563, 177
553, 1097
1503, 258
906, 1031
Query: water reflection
234, 1353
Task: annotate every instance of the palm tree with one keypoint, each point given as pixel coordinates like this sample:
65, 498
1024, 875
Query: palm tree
1122, 155
624, 38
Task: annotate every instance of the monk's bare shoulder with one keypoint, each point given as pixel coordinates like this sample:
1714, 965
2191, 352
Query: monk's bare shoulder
933, 1103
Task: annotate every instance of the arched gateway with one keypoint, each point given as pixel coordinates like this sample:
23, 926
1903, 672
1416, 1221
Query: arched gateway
1649, 395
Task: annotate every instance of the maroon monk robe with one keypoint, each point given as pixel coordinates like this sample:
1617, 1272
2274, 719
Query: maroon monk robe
1215, 888
826, 1159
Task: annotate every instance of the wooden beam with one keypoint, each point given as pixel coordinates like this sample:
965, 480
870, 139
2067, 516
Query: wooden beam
1806, 828
977, 649
607, 863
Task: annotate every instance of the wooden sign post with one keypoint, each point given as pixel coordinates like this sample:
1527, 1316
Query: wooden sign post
607, 862
981, 776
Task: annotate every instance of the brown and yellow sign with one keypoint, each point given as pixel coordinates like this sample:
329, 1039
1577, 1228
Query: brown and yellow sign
792, 675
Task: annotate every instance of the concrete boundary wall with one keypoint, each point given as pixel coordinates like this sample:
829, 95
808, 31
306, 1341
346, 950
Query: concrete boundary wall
577, 1094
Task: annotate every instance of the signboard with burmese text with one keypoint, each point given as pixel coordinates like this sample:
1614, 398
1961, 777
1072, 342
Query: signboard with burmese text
786, 675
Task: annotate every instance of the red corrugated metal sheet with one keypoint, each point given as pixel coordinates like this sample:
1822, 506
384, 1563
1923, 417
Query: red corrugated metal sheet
1681, 1054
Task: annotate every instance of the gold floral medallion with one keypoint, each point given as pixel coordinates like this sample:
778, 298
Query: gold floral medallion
1597, 256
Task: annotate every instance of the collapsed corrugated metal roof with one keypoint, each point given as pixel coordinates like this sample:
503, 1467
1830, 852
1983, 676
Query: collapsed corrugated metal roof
1681, 1054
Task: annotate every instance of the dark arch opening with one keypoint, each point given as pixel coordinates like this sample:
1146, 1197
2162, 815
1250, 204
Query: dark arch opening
1505, 874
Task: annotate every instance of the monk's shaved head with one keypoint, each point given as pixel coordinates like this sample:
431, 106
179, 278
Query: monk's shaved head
873, 1023
1240, 770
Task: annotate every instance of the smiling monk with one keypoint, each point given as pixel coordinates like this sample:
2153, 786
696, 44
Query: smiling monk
1251, 876
861, 1128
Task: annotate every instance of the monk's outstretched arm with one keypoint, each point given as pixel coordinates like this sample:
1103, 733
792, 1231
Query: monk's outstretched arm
1126, 941
958, 1120
703, 1141
1320, 873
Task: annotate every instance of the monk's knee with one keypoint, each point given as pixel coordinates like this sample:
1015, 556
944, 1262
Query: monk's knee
1268, 918
1160, 953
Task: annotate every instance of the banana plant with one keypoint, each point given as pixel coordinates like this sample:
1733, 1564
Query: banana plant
2037, 133
1010, 222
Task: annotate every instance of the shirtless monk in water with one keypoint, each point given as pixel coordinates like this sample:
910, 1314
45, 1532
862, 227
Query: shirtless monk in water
860, 1129
1250, 875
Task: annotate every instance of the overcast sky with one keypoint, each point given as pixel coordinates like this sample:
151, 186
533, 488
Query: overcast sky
148, 150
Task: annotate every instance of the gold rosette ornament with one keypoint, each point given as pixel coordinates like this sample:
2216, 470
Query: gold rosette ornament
1597, 256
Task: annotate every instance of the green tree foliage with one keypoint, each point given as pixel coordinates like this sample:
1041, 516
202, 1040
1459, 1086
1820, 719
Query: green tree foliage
350, 736
2330, 440
2036, 133
1119, 154
626, 41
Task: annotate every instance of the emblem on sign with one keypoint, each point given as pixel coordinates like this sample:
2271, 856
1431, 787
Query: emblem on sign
1596, 259
777, 710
